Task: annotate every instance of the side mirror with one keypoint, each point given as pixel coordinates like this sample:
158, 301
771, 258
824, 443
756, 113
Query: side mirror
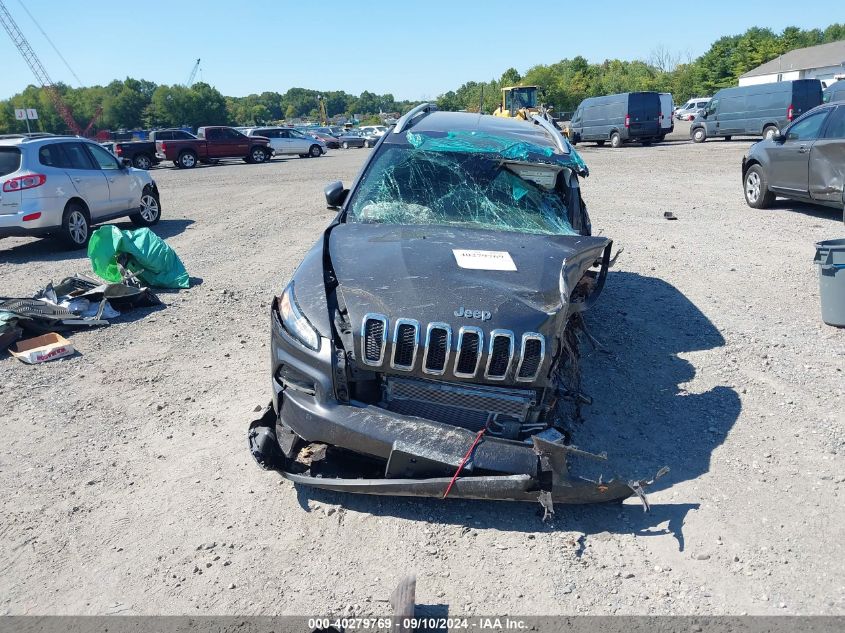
779, 138
335, 194
125, 162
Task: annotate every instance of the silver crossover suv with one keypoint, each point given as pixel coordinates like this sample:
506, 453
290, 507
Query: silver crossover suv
62, 185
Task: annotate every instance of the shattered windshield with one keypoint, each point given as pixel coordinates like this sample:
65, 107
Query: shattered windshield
413, 185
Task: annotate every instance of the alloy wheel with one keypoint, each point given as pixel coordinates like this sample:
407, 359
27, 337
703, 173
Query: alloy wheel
77, 226
752, 186
149, 208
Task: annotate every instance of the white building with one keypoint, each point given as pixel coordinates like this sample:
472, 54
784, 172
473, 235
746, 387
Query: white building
825, 62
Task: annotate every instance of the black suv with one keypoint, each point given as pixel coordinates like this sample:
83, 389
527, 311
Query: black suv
806, 162
432, 330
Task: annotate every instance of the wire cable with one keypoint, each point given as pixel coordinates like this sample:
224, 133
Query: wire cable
47, 37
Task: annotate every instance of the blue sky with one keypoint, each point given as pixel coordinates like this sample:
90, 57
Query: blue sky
415, 50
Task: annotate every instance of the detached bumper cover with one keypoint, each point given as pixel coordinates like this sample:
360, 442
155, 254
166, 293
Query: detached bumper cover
423, 456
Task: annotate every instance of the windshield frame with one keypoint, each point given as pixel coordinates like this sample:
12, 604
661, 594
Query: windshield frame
349, 214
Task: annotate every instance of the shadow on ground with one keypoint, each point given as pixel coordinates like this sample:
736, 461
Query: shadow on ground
52, 249
805, 208
642, 417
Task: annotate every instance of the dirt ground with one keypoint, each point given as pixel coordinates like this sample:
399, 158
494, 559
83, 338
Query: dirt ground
128, 488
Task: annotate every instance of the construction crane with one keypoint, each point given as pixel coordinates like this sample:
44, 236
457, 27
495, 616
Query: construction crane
193, 74
41, 75
324, 117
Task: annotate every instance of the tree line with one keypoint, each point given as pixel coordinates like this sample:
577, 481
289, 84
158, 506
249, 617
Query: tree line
140, 104
137, 103
564, 84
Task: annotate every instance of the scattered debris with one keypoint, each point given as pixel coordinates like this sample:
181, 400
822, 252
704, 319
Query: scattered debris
114, 254
42, 348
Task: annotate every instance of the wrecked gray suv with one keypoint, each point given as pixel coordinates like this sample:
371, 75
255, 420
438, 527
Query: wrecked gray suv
427, 345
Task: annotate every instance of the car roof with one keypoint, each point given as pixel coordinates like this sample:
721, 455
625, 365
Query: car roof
824, 106
441, 121
15, 139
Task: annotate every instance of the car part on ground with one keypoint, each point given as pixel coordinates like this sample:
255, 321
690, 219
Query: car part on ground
76, 302
425, 346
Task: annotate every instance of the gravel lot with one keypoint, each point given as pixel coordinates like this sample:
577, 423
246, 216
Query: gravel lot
128, 488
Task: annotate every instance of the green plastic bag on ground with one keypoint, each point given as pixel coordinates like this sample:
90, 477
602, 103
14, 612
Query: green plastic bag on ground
149, 257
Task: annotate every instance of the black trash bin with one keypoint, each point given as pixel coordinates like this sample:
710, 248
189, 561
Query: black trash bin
830, 256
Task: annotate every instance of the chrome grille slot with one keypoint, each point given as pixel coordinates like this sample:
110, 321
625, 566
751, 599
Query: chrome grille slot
470, 344
373, 338
504, 356
500, 354
438, 343
406, 341
531, 356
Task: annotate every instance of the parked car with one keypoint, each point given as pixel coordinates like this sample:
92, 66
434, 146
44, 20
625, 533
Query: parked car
62, 186
351, 139
618, 118
330, 141
286, 140
369, 136
175, 134
213, 143
758, 110
806, 162
667, 106
441, 317
692, 107
141, 153
834, 92
374, 130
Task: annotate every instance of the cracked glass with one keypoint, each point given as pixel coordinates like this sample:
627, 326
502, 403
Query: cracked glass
486, 183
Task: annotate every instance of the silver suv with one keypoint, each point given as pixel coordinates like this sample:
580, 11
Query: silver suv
62, 185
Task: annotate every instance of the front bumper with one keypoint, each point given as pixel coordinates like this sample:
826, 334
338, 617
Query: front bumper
420, 457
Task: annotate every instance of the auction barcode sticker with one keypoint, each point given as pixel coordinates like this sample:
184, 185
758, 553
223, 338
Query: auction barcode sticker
484, 260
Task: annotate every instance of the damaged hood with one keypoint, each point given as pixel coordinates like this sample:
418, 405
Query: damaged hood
413, 272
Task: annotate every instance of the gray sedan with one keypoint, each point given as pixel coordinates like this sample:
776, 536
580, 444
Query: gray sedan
806, 162
351, 139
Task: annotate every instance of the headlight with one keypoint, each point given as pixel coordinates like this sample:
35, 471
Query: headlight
295, 322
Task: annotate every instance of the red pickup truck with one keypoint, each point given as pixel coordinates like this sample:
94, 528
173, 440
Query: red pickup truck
213, 143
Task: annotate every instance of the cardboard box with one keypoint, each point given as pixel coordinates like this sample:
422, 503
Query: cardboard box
42, 348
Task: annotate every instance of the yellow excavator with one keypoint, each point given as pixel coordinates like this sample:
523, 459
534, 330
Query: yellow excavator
518, 102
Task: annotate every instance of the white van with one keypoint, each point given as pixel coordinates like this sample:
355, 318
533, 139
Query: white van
667, 106
692, 107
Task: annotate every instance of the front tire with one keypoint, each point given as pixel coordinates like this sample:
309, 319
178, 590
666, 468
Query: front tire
76, 226
142, 161
188, 160
257, 155
314, 151
699, 135
756, 188
150, 212
615, 140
